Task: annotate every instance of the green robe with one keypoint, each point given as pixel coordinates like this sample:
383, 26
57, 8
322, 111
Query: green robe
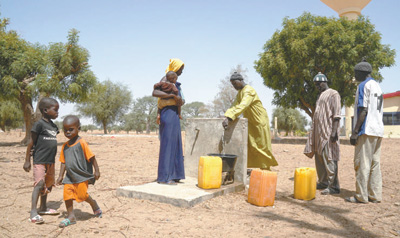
259, 153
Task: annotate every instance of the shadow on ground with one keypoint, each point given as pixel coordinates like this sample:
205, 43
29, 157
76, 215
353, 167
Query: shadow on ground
344, 227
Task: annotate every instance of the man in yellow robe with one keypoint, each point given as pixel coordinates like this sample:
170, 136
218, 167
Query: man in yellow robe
259, 152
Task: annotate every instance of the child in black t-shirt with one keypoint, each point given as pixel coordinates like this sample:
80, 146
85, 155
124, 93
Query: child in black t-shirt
43, 147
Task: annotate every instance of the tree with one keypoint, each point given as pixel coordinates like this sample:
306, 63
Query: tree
227, 94
29, 72
87, 128
107, 103
134, 121
311, 44
193, 109
128, 123
11, 115
144, 114
288, 119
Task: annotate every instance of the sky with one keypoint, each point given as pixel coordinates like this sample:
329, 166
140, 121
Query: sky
131, 41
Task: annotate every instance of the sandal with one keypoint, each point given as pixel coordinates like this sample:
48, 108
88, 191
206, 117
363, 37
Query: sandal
98, 213
49, 212
36, 219
353, 200
66, 222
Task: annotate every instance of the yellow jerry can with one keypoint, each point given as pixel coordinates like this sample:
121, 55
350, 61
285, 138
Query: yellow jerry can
262, 188
305, 183
210, 172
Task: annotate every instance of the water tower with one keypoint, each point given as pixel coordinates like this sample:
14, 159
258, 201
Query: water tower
347, 8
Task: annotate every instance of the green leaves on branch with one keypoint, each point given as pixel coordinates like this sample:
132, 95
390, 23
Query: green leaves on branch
288, 119
10, 114
310, 44
106, 103
30, 71
194, 109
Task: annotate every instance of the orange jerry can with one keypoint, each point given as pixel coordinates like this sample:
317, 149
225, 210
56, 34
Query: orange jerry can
262, 188
305, 183
210, 172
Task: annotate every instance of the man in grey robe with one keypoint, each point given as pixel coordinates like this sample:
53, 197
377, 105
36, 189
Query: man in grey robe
323, 140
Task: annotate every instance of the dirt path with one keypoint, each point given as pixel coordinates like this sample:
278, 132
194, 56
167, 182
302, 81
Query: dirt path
133, 160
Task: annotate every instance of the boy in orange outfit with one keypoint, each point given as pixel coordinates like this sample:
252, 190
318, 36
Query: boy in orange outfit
78, 160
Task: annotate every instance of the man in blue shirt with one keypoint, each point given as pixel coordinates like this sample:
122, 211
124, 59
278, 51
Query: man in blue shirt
367, 136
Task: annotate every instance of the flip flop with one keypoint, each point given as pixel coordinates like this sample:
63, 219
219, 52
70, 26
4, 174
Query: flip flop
98, 213
49, 212
36, 219
66, 222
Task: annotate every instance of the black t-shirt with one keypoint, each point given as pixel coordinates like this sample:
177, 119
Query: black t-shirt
45, 149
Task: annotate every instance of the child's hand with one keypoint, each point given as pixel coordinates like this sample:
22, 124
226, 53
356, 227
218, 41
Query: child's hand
27, 166
96, 175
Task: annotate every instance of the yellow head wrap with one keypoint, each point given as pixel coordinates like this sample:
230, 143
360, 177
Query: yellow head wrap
174, 65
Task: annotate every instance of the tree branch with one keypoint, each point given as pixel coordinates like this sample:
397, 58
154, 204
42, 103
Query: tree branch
28, 80
306, 107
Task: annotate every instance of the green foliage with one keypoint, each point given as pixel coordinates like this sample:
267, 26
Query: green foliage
11, 115
20, 61
106, 104
289, 120
143, 115
133, 122
30, 71
87, 128
193, 109
310, 44
115, 128
300, 133
60, 70
71, 77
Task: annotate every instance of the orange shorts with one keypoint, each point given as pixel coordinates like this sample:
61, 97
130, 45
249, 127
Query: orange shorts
76, 191
45, 172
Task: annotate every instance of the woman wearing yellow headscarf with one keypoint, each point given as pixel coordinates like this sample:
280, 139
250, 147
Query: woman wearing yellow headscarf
170, 162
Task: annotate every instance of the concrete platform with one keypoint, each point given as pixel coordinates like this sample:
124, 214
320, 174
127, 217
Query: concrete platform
185, 194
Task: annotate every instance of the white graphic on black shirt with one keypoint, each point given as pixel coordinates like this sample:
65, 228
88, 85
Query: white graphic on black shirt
53, 133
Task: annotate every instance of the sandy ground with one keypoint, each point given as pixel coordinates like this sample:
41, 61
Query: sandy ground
133, 160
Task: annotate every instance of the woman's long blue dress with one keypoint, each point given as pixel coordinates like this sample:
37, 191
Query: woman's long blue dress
170, 163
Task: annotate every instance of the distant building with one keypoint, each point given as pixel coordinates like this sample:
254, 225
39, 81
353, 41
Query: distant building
391, 114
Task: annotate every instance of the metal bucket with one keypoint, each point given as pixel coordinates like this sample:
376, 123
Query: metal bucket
228, 167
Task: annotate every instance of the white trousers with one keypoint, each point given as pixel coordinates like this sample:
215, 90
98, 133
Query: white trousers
368, 170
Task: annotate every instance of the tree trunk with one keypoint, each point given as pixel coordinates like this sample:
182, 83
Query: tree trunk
105, 127
26, 103
38, 114
27, 108
147, 127
307, 108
